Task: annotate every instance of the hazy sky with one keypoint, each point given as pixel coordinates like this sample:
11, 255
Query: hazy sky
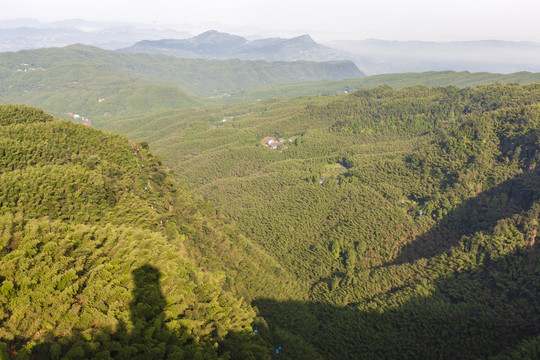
439, 20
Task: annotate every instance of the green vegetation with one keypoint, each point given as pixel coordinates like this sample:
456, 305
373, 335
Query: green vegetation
97, 84
75, 78
395, 81
409, 217
103, 256
375, 224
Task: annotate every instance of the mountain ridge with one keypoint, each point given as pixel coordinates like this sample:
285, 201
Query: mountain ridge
372, 56
73, 79
218, 45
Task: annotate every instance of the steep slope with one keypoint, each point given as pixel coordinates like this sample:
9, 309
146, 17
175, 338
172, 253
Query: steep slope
411, 215
216, 45
103, 255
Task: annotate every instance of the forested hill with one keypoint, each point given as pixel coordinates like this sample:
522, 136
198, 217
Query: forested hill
378, 224
395, 81
410, 215
92, 84
103, 255
75, 78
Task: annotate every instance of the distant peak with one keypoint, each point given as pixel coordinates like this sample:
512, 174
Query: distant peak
215, 34
211, 33
304, 38
79, 46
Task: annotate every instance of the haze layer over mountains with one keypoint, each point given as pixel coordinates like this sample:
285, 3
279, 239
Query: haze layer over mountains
372, 56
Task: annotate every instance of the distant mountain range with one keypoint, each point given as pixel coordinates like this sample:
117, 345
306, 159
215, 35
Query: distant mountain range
217, 45
372, 56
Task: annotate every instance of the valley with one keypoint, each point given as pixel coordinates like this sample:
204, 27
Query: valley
424, 174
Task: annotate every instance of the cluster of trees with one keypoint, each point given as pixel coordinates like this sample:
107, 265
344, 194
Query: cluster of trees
403, 214
101, 253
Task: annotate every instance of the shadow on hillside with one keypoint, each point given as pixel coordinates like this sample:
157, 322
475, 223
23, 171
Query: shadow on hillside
147, 338
480, 213
470, 315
